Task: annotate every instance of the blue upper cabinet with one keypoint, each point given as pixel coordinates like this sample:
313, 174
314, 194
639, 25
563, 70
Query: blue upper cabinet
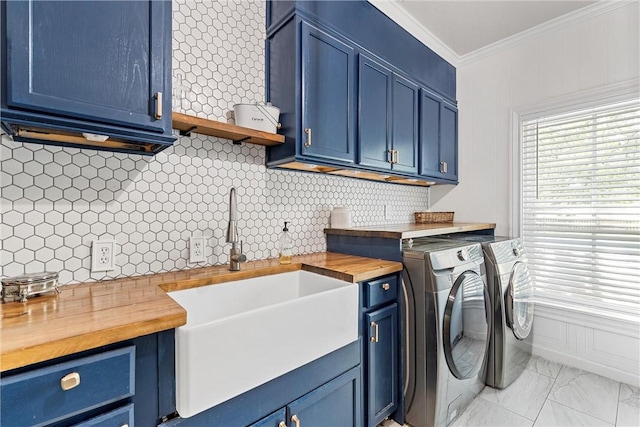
328, 106
88, 67
387, 118
374, 121
311, 78
438, 137
405, 125
350, 98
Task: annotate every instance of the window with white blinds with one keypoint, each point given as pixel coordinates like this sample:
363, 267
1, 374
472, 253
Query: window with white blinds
580, 212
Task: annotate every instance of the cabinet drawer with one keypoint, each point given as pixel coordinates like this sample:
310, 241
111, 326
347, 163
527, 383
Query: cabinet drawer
121, 417
381, 290
37, 398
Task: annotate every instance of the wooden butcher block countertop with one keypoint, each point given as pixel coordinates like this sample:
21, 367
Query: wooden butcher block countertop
91, 315
410, 231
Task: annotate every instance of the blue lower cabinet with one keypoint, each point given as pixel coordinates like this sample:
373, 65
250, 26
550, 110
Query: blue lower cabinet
116, 418
53, 393
96, 388
277, 419
382, 362
381, 352
335, 404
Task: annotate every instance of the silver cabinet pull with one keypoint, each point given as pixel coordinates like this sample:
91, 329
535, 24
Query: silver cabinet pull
443, 167
70, 381
282, 424
374, 338
307, 143
396, 159
158, 97
393, 156
296, 420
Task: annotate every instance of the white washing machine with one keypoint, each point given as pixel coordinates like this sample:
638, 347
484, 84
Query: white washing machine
447, 326
512, 299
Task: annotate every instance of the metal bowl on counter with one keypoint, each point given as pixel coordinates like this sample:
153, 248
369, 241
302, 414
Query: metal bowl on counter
20, 288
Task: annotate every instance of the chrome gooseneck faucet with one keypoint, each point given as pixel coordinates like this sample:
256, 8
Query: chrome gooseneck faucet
235, 256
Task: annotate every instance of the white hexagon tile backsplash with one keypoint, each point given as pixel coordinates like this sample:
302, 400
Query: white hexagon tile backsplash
55, 201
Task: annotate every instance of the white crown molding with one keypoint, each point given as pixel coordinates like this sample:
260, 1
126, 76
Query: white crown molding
599, 8
400, 16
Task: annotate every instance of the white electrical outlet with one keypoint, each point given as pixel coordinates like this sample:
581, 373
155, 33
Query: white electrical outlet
197, 249
103, 255
387, 212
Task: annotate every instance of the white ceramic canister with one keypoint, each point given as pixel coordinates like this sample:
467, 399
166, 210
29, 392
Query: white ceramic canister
341, 217
257, 116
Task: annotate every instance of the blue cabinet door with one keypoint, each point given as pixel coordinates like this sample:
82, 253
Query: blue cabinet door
328, 96
430, 109
277, 419
103, 61
438, 137
449, 141
335, 404
118, 417
382, 362
374, 120
405, 125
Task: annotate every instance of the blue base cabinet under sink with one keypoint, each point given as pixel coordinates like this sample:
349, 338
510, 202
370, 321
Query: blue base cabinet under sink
325, 392
333, 404
104, 68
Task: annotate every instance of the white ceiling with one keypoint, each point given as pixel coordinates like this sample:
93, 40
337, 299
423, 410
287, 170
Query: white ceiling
468, 25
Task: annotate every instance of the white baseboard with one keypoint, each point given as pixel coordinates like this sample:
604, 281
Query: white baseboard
593, 344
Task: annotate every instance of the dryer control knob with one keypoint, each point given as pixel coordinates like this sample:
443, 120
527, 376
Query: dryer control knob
463, 255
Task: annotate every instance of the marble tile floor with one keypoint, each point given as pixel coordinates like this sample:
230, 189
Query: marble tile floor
550, 394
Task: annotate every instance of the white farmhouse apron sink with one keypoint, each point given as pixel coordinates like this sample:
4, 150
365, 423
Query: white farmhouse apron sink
245, 333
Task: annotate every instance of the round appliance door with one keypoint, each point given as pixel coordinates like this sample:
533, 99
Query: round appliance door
466, 325
519, 301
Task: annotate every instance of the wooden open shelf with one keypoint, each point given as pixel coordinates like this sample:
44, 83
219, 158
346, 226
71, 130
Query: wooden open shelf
187, 124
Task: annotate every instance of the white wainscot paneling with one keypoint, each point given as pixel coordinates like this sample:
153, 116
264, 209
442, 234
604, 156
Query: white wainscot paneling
550, 333
603, 346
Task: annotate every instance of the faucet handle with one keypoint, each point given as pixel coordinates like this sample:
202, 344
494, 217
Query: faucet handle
239, 256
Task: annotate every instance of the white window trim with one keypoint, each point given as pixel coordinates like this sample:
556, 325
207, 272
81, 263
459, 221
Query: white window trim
575, 101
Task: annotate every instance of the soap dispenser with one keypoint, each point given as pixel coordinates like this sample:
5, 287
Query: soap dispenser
285, 245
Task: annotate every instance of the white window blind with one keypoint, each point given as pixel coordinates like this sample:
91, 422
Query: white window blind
581, 209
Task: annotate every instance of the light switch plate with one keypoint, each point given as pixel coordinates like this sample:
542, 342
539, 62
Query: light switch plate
103, 255
197, 246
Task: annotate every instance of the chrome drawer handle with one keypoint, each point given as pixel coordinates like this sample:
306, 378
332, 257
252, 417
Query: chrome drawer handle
374, 338
282, 424
386, 286
296, 420
70, 381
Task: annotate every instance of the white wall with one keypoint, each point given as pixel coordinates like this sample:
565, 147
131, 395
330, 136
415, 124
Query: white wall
576, 56
585, 55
